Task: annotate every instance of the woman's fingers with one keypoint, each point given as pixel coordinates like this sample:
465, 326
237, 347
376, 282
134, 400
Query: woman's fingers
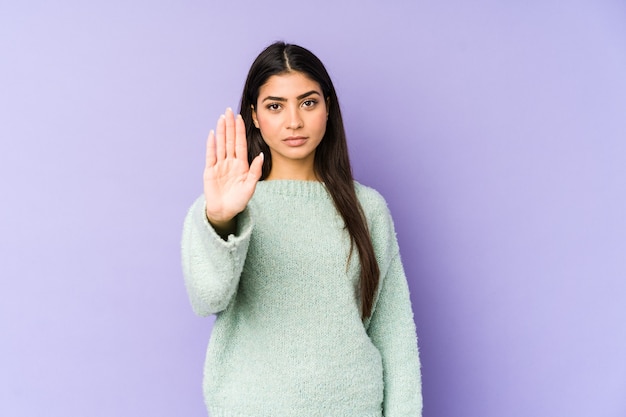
256, 168
230, 133
210, 150
241, 147
220, 138
230, 137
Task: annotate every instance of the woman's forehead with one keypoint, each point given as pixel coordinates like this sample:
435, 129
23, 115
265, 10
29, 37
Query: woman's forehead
288, 85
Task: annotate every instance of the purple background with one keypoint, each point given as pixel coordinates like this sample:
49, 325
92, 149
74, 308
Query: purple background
496, 131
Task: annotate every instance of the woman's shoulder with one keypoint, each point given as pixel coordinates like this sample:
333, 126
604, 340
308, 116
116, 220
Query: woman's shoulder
379, 221
371, 200
375, 210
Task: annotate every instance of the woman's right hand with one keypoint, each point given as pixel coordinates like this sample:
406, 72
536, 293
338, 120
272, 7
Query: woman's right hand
229, 182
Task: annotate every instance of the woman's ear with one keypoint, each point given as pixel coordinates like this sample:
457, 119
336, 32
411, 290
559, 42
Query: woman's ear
254, 119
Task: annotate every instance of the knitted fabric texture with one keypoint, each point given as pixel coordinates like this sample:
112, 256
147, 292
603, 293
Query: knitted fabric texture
288, 340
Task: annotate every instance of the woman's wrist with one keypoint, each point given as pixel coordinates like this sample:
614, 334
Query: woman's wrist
223, 227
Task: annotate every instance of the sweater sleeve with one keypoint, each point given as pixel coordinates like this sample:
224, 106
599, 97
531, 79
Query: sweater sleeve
211, 265
392, 331
391, 326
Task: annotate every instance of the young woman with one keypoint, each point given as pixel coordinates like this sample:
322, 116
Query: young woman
298, 261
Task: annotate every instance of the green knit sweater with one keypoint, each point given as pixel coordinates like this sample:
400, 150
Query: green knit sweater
288, 340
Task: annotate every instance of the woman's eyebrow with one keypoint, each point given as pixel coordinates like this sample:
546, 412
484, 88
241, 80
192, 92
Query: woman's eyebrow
300, 97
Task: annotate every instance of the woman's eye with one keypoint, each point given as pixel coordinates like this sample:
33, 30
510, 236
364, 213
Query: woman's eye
273, 106
309, 103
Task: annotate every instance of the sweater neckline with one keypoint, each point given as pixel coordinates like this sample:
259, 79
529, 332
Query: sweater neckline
296, 188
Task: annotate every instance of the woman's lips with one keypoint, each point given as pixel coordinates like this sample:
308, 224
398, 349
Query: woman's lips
295, 140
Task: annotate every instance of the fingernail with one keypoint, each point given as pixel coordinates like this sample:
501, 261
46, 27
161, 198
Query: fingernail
229, 109
222, 116
239, 117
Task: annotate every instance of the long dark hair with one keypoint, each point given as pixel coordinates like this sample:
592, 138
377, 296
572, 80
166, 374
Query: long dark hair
332, 164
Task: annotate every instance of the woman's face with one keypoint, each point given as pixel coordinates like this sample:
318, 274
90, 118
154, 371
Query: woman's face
291, 114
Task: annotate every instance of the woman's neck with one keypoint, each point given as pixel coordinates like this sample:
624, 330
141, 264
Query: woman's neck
293, 170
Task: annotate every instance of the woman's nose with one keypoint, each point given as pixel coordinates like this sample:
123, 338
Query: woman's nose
295, 121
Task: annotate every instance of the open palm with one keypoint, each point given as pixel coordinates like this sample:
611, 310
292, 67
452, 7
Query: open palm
229, 181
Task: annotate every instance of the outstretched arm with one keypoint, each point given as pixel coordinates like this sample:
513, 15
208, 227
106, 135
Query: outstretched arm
217, 228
